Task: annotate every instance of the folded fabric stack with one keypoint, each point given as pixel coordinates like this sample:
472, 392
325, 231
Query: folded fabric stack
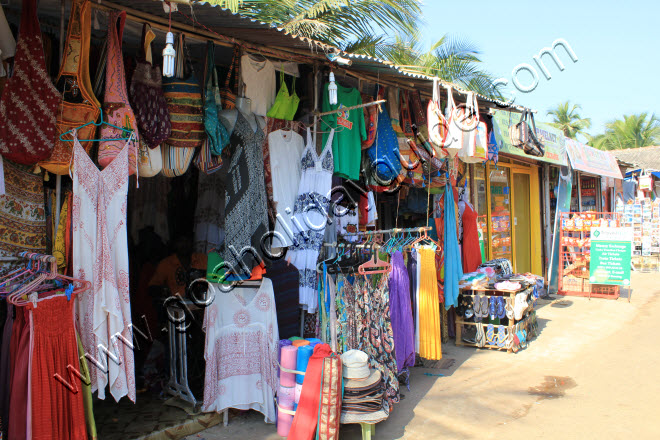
364, 390
473, 280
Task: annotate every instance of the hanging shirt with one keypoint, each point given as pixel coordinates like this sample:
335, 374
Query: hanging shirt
241, 351
350, 131
260, 84
285, 148
347, 224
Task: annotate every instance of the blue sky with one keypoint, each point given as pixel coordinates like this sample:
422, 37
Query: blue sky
617, 44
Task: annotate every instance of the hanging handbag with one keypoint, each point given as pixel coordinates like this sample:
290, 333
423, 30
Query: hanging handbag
78, 105
150, 160
146, 95
437, 124
184, 102
29, 101
523, 136
206, 162
370, 121
176, 160
384, 153
473, 132
229, 92
116, 108
217, 136
404, 112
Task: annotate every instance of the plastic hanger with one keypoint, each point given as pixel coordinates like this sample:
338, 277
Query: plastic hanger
375, 265
98, 124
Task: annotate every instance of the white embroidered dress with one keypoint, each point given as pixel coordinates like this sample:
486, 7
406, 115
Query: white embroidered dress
100, 255
311, 212
241, 350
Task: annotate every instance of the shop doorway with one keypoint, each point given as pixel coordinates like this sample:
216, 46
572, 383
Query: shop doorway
507, 199
522, 222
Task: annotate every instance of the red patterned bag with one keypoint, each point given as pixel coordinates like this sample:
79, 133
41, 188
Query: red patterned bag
29, 102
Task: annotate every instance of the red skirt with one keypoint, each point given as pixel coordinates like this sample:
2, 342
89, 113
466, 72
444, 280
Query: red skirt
19, 349
57, 409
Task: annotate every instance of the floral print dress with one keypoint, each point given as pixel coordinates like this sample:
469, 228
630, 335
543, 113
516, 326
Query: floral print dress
374, 330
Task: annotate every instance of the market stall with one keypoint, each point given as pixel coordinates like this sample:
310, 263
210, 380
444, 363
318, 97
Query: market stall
196, 210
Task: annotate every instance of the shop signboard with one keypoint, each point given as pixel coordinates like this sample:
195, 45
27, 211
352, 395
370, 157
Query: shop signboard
611, 250
592, 161
551, 138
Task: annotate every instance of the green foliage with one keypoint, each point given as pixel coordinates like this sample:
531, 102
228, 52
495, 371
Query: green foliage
569, 120
633, 131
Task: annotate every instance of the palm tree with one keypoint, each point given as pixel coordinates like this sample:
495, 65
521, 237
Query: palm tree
633, 131
569, 120
452, 59
332, 21
363, 26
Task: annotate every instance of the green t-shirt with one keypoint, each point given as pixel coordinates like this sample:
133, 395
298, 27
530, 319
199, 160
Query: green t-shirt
350, 131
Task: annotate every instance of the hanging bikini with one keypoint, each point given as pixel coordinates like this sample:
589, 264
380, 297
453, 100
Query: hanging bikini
79, 105
29, 100
116, 107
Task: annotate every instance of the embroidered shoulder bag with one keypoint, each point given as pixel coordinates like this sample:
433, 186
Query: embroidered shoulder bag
79, 105
29, 102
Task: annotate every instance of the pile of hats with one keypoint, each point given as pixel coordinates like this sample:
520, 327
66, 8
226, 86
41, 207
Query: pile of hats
364, 390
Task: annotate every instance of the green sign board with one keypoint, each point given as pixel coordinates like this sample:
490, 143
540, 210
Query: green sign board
553, 139
611, 249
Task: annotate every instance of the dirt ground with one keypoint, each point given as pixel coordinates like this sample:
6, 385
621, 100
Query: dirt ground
593, 373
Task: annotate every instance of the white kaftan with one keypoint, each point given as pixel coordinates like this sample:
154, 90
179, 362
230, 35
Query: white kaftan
241, 350
100, 255
311, 212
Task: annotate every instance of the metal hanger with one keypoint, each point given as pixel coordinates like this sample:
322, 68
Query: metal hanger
129, 136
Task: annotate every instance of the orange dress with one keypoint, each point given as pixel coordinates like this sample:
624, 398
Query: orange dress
57, 402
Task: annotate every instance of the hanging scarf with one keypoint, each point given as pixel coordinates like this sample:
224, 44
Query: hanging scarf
453, 268
306, 418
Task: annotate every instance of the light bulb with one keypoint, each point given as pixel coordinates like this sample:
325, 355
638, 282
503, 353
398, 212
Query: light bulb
332, 90
168, 56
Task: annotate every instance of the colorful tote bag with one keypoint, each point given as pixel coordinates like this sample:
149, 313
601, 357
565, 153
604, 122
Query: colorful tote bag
78, 105
384, 153
147, 99
184, 102
370, 120
206, 162
176, 160
29, 102
229, 91
217, 136
116, 107
330, 400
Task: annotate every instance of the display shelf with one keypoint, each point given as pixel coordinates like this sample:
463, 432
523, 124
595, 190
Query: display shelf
575, 254
488, 292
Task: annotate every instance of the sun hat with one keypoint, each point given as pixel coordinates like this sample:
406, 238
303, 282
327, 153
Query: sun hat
363, 384
355, 365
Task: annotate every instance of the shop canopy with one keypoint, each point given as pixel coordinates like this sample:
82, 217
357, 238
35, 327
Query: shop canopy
591, 160
552, 139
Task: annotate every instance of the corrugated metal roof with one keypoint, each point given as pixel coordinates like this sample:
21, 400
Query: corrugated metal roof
647, 158
232, 25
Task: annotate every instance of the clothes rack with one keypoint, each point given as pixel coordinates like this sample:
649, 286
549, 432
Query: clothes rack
353, 107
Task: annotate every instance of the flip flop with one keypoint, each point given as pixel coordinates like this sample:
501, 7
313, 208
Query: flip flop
484, 306
509, 340
519, 307
492, 308
501, 336
509, 308
490, 334
481, 336
477, 306
501, 313
469, 307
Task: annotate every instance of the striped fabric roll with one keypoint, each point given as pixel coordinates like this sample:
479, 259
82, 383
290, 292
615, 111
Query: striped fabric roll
184, 102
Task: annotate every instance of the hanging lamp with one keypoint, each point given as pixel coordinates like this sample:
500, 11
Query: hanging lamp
332, 90
169, 53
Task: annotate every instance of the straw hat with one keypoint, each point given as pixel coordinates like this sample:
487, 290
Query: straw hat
355, 365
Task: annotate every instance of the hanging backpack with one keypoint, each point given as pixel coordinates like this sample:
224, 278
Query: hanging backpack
116, 107
184, 102
146, 94
437, 124
29, 102
78, 105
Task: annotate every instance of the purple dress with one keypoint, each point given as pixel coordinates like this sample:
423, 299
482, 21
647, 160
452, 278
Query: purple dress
401, 314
